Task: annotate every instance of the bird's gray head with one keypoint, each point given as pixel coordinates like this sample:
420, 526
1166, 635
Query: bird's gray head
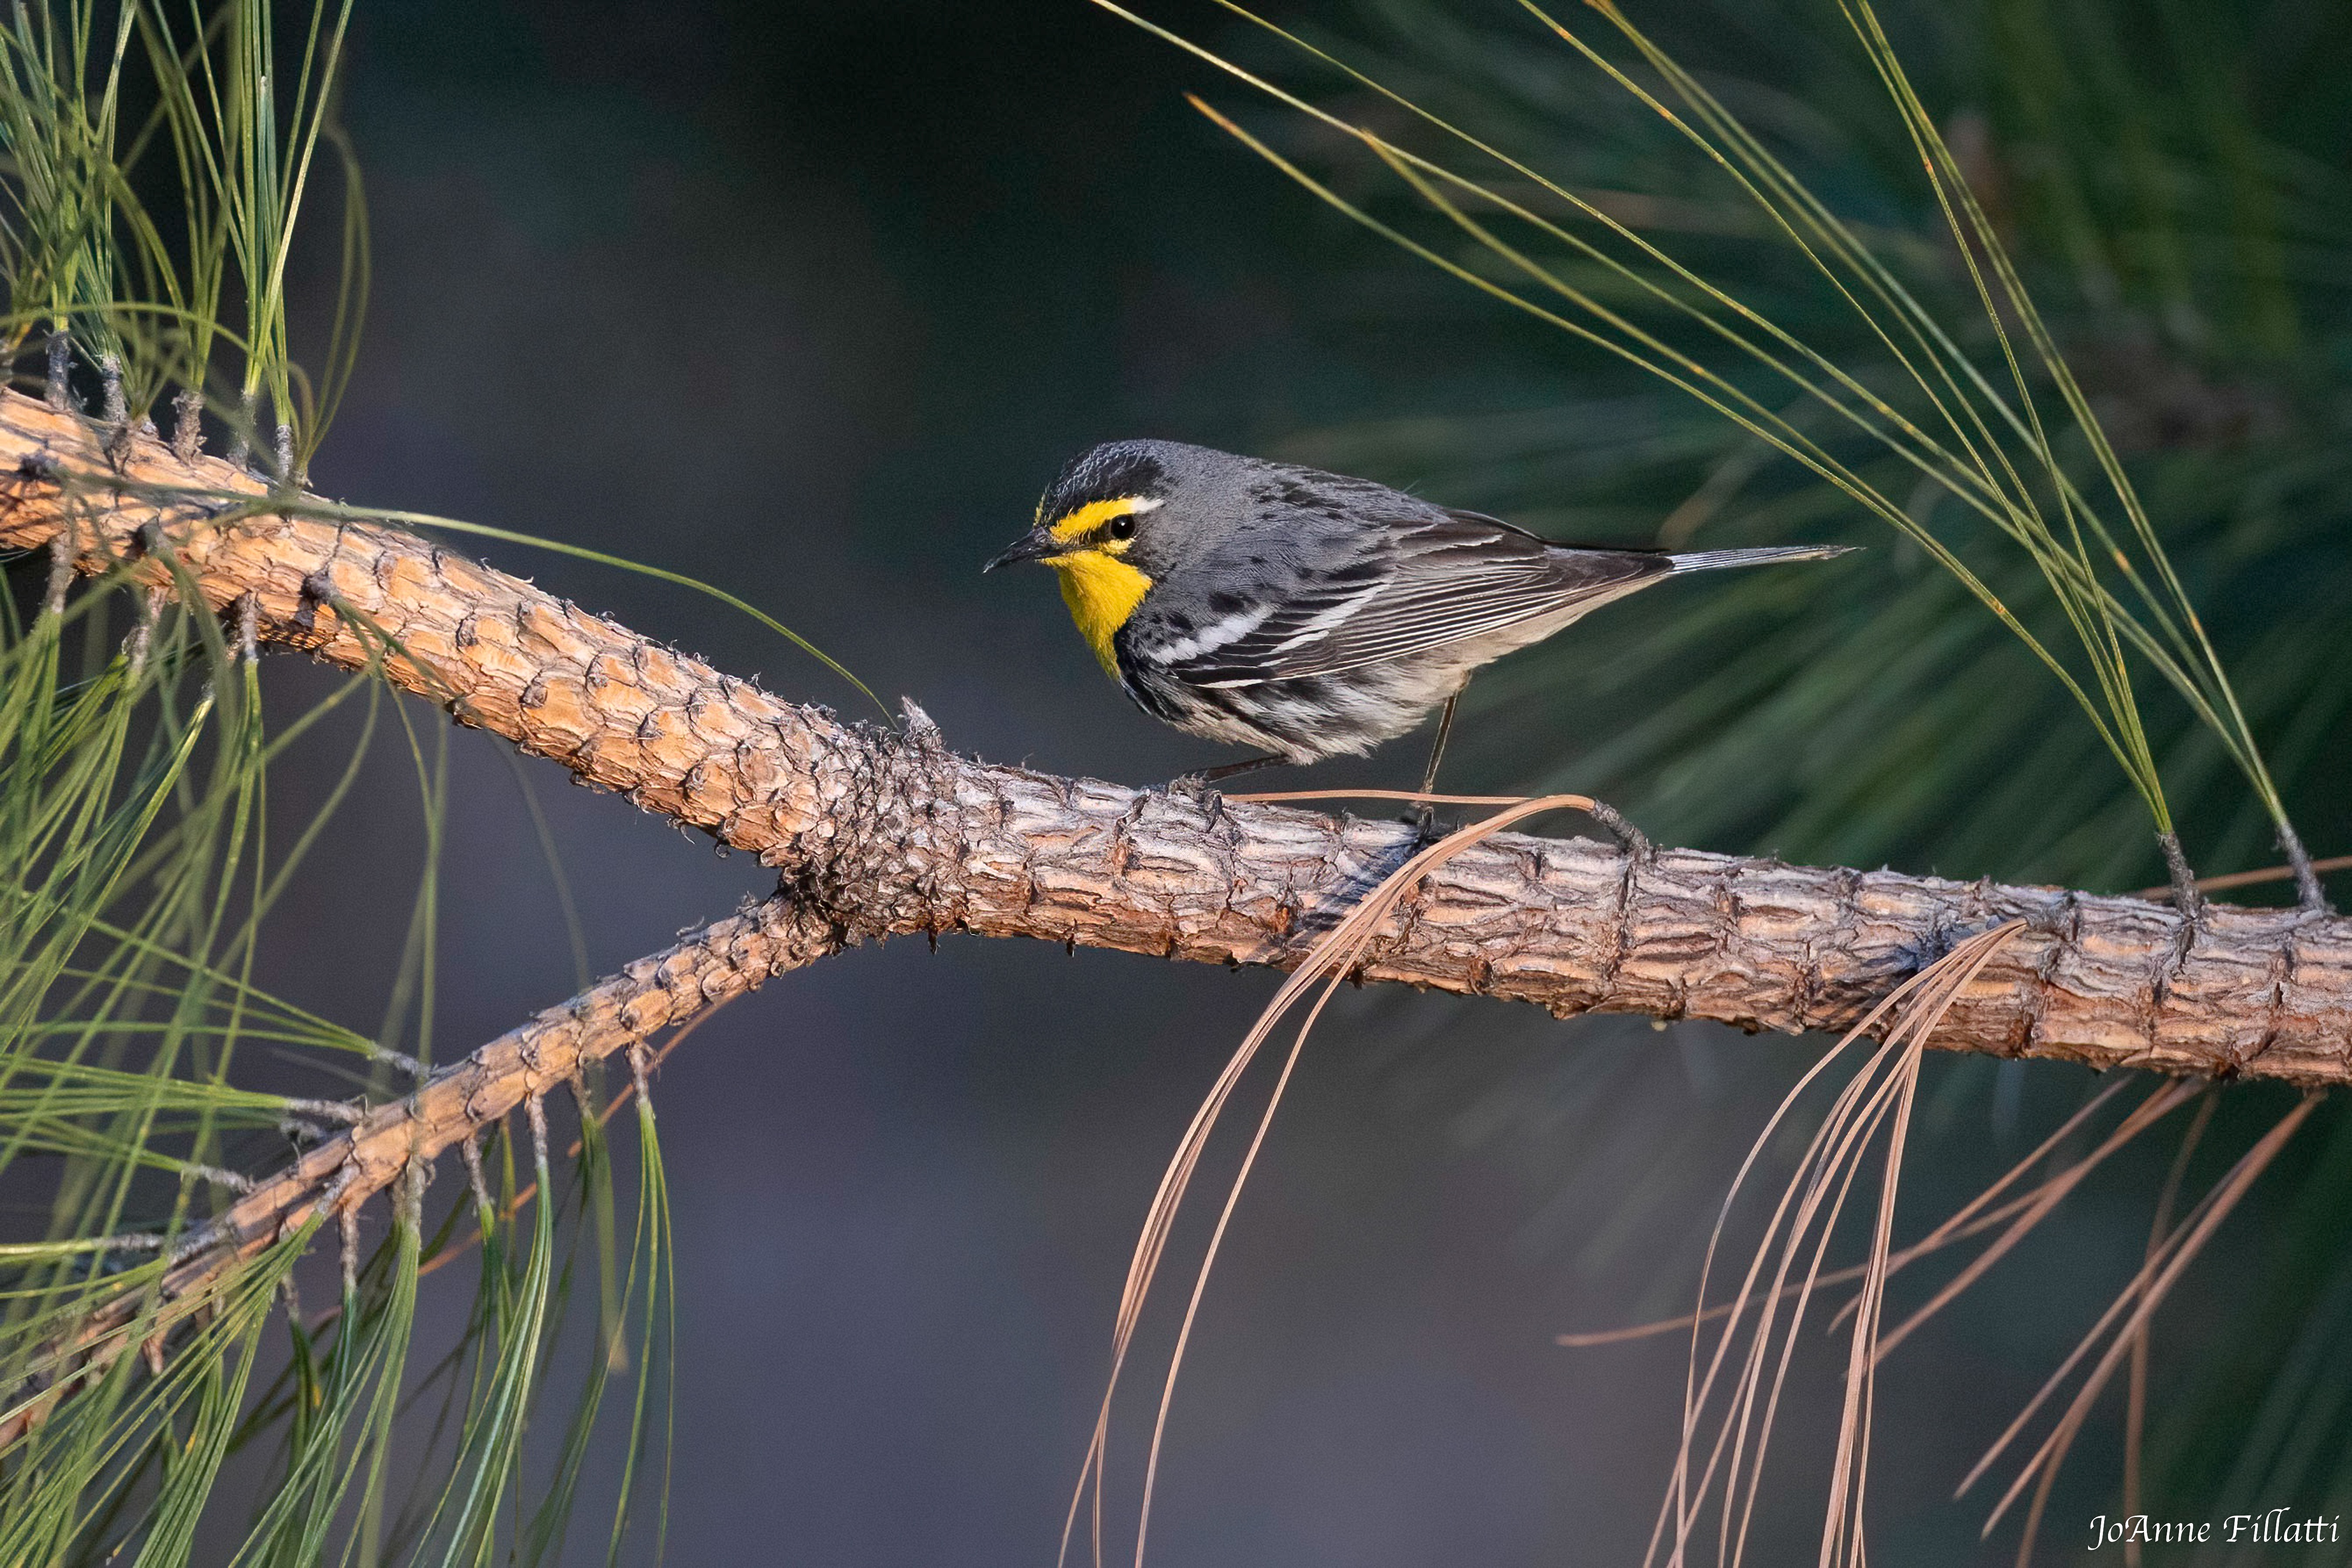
1131, 507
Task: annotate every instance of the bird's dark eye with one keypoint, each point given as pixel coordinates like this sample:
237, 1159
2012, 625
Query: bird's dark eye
1123, 527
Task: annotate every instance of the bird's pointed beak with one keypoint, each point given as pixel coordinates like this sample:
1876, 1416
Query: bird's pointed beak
1034, 545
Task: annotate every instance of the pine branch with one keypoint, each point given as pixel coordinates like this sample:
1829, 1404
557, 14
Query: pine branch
881, 834
705, 968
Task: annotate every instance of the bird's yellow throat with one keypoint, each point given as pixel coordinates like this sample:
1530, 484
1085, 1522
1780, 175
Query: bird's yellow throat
1102, 591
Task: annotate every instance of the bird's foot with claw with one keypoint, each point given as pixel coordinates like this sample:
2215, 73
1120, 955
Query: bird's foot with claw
1194, 789
1423, 820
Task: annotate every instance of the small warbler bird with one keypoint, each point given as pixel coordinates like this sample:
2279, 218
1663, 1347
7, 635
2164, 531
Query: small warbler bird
1303, 612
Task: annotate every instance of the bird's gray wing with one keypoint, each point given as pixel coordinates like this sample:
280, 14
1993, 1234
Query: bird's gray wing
1400, 588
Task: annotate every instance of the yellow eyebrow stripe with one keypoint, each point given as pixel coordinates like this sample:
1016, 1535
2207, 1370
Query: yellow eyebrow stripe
1085, 519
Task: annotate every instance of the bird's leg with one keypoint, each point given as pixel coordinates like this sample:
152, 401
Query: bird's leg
1425, 815
1437, 750
1198, 784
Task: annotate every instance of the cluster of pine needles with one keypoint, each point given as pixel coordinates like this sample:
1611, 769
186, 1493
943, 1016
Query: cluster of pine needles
142, 867
1920, 385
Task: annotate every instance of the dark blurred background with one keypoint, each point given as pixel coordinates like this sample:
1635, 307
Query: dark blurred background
811, 301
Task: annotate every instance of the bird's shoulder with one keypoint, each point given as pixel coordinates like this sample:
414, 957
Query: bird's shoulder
1310, 539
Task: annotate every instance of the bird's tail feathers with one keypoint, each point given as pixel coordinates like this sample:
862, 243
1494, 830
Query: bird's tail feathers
1708, 560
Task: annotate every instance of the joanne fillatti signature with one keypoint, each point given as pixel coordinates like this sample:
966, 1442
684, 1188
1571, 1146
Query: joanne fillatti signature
2278, 1527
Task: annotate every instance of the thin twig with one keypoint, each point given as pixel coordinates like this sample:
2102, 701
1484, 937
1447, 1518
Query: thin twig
2252, 878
